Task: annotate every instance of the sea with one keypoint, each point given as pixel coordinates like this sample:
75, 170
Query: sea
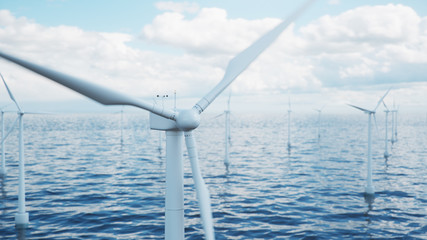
96, 176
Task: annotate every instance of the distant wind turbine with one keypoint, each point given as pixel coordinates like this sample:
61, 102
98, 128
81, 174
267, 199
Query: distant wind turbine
289, 123
176, 123
3, 169
369, 186
22, 217
227, 134
394, 123
121, 126
319, 111
227, 141
386, 153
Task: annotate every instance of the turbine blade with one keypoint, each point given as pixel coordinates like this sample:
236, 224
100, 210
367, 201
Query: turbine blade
217, 116
362, 109
323, 107
39, 113
385, 106
10, 130
93, 91
203, 195
3, 107
379, 102
241, 61
376, 125
10, 93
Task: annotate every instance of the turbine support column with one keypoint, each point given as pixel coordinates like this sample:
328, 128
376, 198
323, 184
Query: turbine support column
3, 169
386, 154
289, 130
369, 186
22, 217
174, 225
227, 139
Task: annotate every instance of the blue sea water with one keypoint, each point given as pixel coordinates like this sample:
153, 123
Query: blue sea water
82, 183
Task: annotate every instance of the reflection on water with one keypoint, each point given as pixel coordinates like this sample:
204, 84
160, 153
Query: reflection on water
83, 182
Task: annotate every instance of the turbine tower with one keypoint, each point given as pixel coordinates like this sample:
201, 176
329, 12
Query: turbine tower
319, 111
178, 124
3, 168
386, 153
227, 134
394, 123
22, 217
369, 186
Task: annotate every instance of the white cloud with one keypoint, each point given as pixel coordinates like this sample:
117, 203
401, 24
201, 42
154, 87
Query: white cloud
367, 44
372, 25
210, 31
383, 45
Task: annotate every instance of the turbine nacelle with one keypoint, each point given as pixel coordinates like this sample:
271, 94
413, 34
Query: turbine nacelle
185, 120
188, 120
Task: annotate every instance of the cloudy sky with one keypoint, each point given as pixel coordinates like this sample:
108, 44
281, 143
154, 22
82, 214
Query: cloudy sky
338, 52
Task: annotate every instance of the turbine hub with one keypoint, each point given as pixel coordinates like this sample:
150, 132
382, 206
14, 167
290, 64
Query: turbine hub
188, 120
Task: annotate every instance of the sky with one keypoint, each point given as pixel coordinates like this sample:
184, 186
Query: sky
338, 52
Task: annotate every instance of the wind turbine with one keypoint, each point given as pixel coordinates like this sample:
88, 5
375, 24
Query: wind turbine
227, 134
226, 113
394, 123
369, 186
22, 217
3, 169
386, 153
319, 111
121, 126
176, 123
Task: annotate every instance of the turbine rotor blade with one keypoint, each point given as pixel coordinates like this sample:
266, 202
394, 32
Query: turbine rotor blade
379, 102
10, 130
387, 110
93, 91
242, 60
362, 109
217, 116
10, 93
375, 121
39, 113
203, 195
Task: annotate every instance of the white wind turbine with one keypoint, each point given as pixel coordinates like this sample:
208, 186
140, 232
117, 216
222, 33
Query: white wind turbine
176, 123
227, 134
121, 126
22, 217
394, 123
369, 186
386, 153
319, 111
226, 113
3, 169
